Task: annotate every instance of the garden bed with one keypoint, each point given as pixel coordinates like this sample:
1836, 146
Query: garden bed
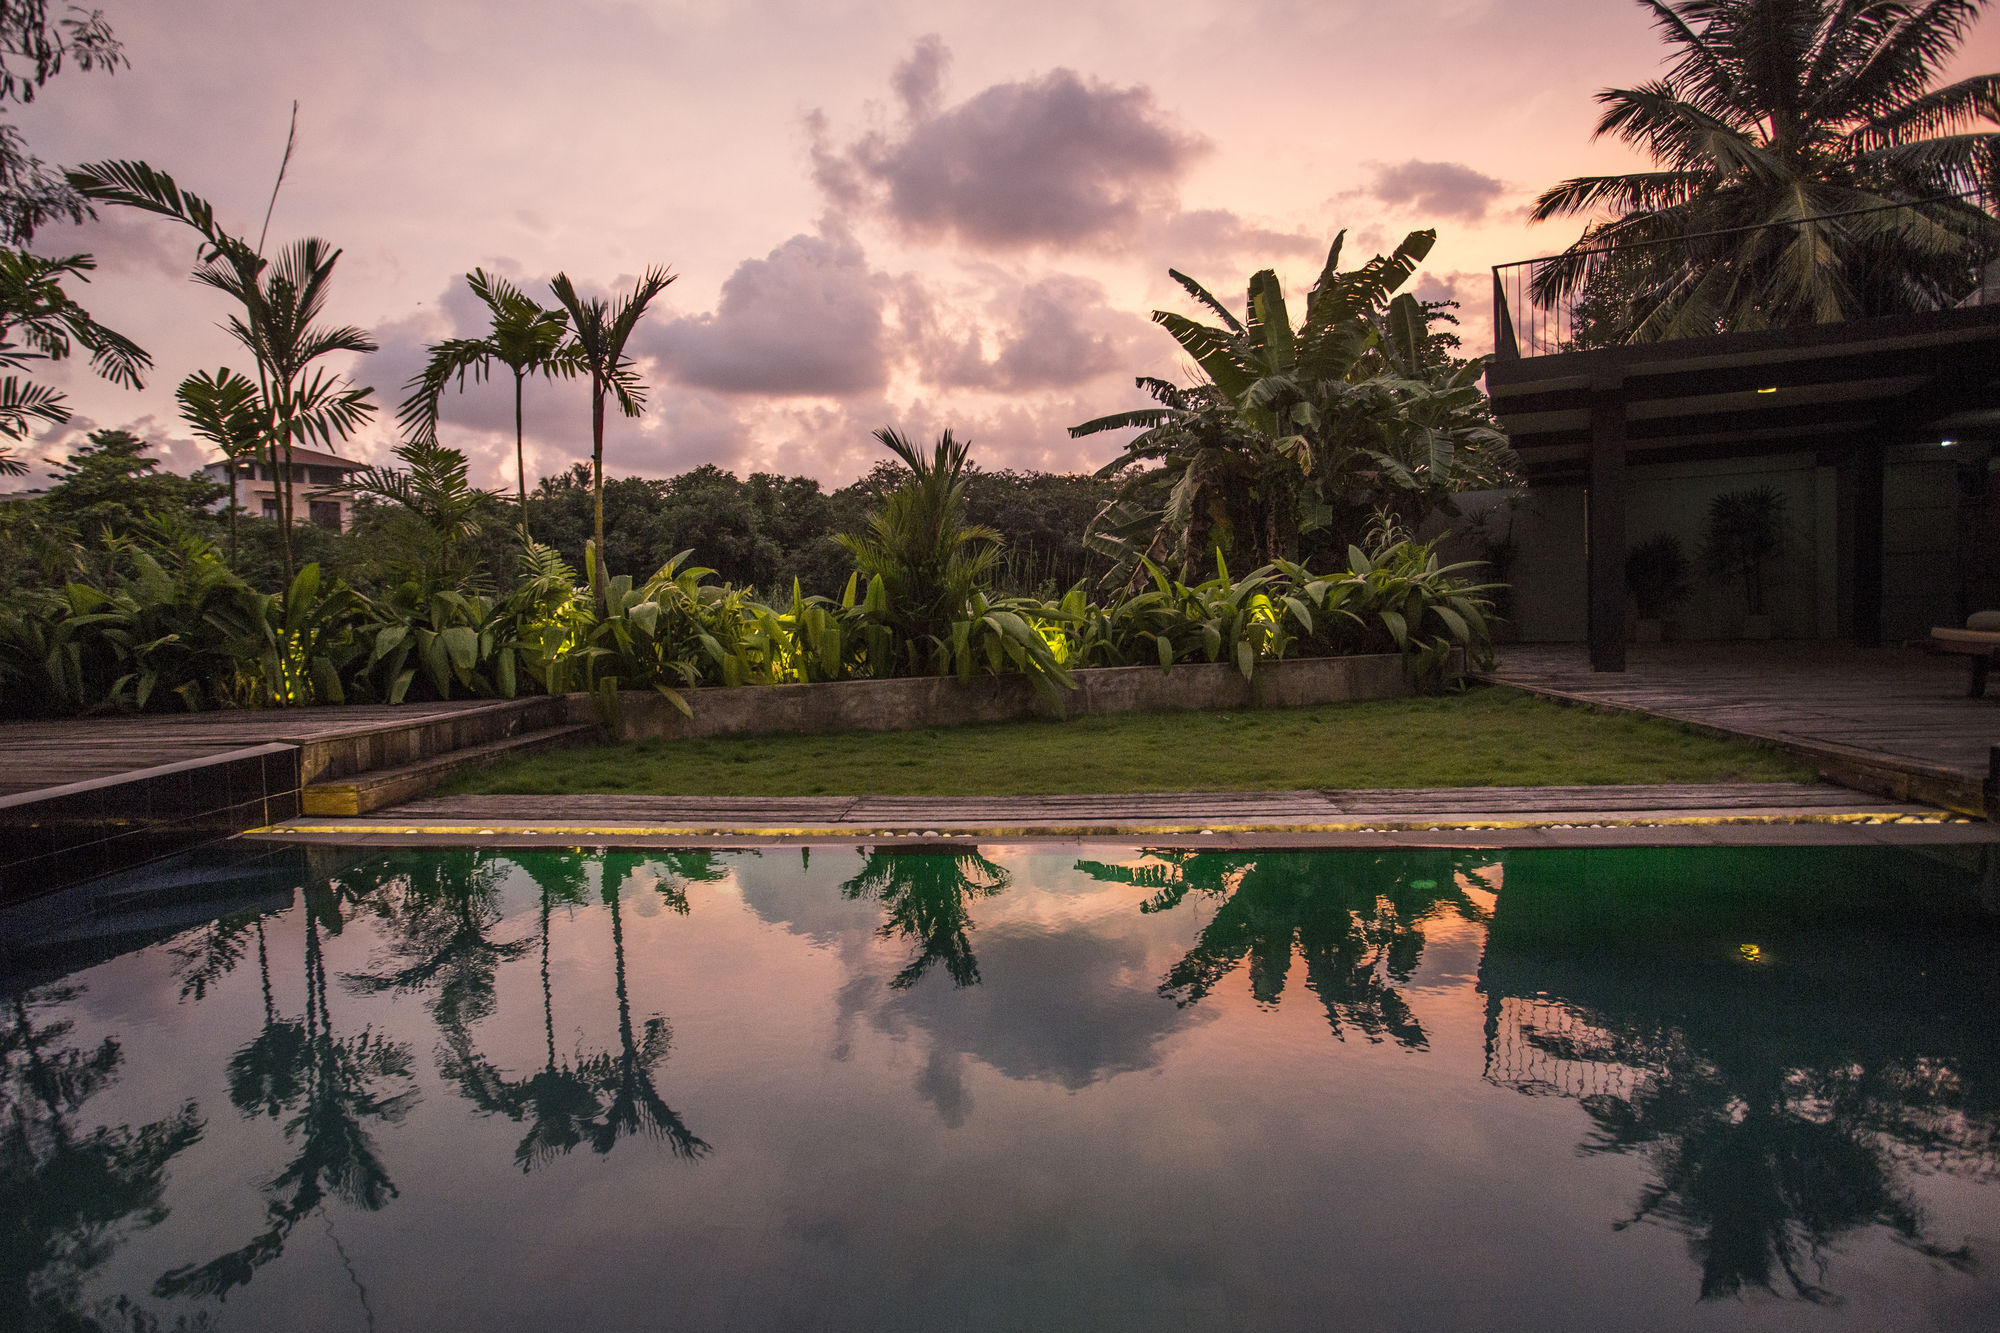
920, 702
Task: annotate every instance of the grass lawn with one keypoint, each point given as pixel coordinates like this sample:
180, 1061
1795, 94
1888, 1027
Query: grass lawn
1486, 737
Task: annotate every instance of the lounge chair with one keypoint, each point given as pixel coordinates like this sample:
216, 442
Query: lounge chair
1979, 640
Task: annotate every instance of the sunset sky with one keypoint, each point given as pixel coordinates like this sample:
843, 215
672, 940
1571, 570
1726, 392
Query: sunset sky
922, 215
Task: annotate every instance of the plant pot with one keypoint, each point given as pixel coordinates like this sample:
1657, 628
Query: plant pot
1648, 631
1757, 627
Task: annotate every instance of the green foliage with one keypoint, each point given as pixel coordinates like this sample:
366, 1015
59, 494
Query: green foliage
1299, 435
524, 337
1398, 600
1782, 136
109, 489
40, 323
1656, 574
434, 489
918, 545
1745, 530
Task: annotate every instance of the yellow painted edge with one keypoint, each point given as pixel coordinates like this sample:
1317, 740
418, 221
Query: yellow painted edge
850, 832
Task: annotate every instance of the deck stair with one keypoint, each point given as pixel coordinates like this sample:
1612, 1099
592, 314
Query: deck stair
355, 773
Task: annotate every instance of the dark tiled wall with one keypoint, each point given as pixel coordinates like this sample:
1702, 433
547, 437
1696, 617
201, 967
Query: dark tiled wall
65, 835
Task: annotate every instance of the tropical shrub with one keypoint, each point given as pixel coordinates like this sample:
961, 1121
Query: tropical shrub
1299, 436
176, 630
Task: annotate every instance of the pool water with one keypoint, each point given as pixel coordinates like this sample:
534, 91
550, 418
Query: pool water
1019, 1088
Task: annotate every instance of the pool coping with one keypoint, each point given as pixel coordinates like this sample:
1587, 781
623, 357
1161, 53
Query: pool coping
1734, 828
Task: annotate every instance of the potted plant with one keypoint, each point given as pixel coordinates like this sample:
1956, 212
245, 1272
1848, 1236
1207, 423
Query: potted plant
1656, 574
1745, 531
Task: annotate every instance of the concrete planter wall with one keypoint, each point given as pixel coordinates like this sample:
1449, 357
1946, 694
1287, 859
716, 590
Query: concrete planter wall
931, 701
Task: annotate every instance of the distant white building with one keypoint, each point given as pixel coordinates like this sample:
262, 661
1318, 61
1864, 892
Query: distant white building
315, 472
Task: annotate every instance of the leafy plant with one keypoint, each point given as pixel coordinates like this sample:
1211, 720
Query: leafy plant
42, 323
1745, 531
917, 542
1656, 574
1354, 410
434, 488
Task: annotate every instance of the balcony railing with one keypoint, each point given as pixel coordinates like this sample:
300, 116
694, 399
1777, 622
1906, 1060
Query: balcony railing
1659, 290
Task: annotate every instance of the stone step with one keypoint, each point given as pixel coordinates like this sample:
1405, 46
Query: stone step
360, 793
397, 742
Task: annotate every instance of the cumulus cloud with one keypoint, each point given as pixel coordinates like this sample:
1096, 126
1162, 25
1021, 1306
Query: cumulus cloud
1058, 160
1054, 1006
919, 81
804, 320
125, 244
1204, 236
1438, 189
1055, 333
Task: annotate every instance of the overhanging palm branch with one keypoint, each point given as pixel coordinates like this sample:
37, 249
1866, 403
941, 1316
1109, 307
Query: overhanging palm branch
1803, 155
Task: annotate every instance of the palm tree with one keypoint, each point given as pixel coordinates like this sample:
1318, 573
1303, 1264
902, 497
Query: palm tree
930, 560
39, 321
1806, 133
281, 304
525, 337
433, 487
223, 409
601, 329
332, 1086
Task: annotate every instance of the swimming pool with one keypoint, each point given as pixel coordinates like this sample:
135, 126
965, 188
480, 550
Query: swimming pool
1023, 1087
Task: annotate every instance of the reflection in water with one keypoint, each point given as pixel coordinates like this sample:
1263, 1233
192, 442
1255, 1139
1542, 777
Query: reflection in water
1356, 922
332, 1086
67, 1194
1783, 1092
925, 892
1786, 1058
597, 1098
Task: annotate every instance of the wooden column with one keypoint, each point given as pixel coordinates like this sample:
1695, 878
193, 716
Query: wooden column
1867, 580
1606, 527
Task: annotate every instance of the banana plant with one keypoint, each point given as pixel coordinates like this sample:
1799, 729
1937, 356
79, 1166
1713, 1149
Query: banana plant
1297, 433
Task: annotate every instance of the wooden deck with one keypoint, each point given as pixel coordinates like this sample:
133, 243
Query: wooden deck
55, 752
1865, 715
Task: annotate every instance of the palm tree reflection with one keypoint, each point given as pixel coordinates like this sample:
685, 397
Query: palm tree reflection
1783, 1095
332, 1086
600, 1098
1356, 922
925, 890
66, 1193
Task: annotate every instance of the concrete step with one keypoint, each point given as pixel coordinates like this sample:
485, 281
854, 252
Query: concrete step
397, 743
360, 793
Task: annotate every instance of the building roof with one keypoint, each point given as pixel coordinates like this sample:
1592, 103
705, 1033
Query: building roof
315, 457
1902, 379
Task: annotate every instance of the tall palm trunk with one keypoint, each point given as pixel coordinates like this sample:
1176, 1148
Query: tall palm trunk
520, 458
597, 491
235, 503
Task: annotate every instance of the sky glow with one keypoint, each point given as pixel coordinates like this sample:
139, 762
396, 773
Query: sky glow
920, 215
